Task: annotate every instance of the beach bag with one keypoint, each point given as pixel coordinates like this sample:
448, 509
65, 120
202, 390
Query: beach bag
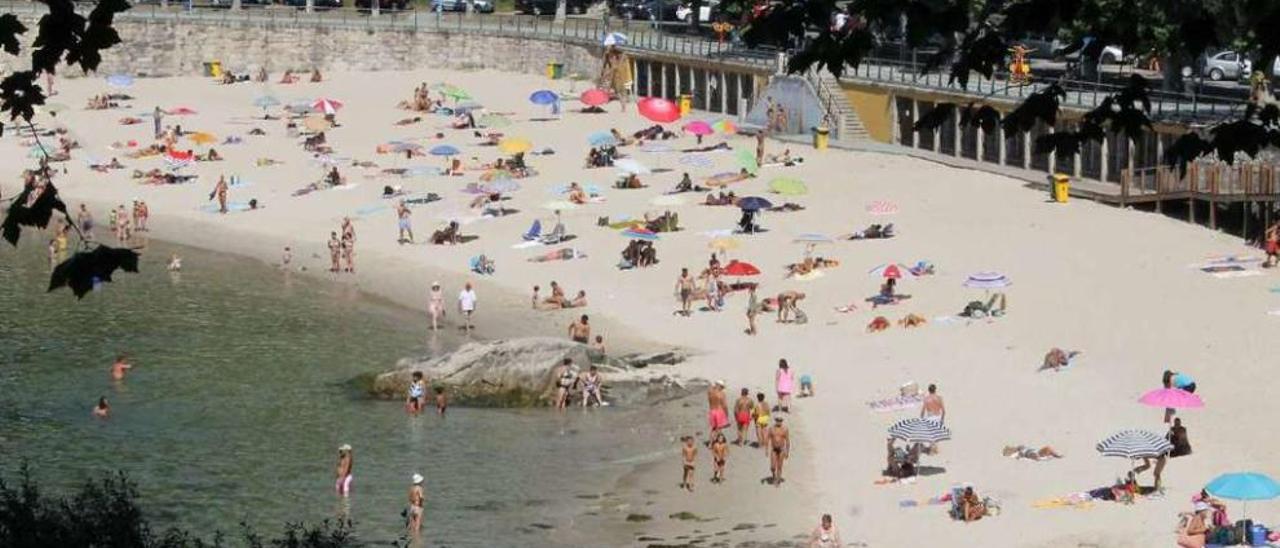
801, 317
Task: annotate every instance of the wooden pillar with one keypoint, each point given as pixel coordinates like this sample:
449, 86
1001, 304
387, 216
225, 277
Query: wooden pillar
1053, 154
1002, 143
648, 81
1026, 148
724, 94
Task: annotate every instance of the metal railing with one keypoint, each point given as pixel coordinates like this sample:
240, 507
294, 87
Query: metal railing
828, 99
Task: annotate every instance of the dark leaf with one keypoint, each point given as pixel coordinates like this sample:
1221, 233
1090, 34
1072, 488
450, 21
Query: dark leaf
59, 32
1238, 136
10, 29
1041, 105
938, 115
98, 35
19, 95
86, 268
1064, 143
982, 51
37, 214
1184, 150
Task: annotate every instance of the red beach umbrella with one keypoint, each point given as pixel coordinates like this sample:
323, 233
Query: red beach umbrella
739, 268
659, 110
594, 97
327, 106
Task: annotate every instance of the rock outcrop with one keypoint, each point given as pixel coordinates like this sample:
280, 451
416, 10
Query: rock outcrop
518, 373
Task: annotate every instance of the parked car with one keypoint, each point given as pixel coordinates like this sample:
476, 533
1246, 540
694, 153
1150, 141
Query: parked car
1226, 65
1110, 55
548, 7
317, 4
648, 10
478, 6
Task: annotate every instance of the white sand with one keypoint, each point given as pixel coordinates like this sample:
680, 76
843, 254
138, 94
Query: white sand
1112, 283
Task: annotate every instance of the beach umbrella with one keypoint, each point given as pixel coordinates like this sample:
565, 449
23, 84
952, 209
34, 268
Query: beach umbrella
725, 126
494, 120
594, 97
543, 97
602, 139
613, 39
327, 106
445, 150
558, 205
753, 203
316, 123
495, 175
698, 127
1174, 398
119, 80
739, 269
176, 159
987, 280
724, 244
515, 145
202, 138
501, 186
813, 238
882, 207
658, 110
1134, 444
787, 186
699, 161
891, 270
640, 233
919, 430
746, 159
629, 165
265, 101
1244, 486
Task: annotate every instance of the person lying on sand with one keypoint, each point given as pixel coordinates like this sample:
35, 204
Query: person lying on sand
130, 121
565, 254
1057, 359
721, 199
874, 232
712, 148
576, 194
880, 323
408, 121
912, 320
810, 264
1029, 453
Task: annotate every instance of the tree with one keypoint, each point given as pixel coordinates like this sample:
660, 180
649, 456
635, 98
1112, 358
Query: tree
976, 35
64, 36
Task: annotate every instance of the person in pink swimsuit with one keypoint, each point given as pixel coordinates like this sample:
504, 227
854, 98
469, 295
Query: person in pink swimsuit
784, 384
717, 407
346, 463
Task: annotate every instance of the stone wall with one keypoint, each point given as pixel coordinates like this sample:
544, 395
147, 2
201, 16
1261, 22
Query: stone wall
178, 48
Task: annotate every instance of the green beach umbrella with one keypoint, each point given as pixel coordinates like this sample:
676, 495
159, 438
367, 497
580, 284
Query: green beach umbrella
746, 160
788, 186
455, 93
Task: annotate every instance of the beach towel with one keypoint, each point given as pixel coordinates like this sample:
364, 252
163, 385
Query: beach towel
527, 245
896, 403
811, 275
231, 207
1241, 273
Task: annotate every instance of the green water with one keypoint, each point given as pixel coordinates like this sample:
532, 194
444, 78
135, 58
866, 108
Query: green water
240, 397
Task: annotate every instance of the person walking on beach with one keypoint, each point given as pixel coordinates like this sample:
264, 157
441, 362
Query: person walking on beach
342, 473
779, 446
689, 455
467, 305
825, 535
119, 367
753, 309
684, 286
157, 118
406, 230
220, 192
717, 407
335, 250
435, 305
742, 415
719, 455
933, 409
761, 416
417, 499
580, 330
784, 385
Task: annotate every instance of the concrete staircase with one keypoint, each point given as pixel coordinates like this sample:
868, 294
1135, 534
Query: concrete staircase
848, 126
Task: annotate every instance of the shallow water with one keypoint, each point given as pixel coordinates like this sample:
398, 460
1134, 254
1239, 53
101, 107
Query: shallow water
240, 396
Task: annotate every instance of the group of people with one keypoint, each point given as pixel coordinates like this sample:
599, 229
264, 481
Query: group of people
102, 102
342, 249
638, 254
588, 384
558, 299
601, 157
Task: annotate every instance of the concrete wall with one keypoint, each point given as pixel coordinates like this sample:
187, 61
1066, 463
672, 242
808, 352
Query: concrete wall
873, 109
172, 48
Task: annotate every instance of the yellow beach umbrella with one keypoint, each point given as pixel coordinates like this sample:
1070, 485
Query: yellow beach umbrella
515, 145
202, 138
724, 244
316, 123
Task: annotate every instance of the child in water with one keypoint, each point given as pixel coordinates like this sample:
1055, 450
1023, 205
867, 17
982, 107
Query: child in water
442, 401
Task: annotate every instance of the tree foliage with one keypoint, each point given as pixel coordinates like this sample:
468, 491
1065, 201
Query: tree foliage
63, 37
973, 36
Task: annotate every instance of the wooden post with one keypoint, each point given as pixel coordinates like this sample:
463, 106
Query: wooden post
1106, 158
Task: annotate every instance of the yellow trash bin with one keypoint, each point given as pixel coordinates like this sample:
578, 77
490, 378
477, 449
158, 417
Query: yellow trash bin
821, 135
213, 68
686, 103
1061, 187
555, 70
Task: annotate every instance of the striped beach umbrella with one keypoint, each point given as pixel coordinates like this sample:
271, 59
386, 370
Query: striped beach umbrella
327, 106
882, 207
919, 430
1134, 444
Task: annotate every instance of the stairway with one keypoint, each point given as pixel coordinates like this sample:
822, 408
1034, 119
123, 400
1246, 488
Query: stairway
848, 126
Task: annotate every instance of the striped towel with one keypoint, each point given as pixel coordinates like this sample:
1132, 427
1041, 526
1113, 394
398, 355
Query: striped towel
896, 403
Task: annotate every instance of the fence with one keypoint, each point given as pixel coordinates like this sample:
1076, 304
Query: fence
1253, 179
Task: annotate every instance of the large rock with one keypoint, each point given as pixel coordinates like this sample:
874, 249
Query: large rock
518, 373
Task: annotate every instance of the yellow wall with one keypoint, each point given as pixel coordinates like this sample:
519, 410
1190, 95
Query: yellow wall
873, 110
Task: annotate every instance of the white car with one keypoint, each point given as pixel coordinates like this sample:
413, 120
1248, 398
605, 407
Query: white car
684, 12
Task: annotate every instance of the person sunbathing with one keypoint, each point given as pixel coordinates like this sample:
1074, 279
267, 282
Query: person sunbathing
972, 508
1057, 358
617, 136
228, 78
447, 235
577, 195
213, 156
912, 320
333, 178
1030, 453
789, 206
922, 268
1125, 491
408, 121
880, 323
712, 148
874, 232
288, 77
315, 76
887, 295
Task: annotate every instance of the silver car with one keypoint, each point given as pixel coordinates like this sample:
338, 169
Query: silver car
1225, 65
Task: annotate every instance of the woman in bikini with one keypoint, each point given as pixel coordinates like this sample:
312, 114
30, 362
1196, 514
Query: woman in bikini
435, 305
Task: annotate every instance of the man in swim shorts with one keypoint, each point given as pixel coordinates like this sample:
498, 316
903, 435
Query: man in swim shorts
742, 415
580, 330
779, 447
688, 455
717, 407
684, 286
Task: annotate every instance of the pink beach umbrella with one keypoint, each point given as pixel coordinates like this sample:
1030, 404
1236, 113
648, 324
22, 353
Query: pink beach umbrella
699, 128
594, 97
658, 110
891, 270
327, 106
1171, 398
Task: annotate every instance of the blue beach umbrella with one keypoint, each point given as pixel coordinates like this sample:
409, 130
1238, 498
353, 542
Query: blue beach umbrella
602, 139
754, 203
445, 150
266, 101
1244, 486
544, 97
120, 80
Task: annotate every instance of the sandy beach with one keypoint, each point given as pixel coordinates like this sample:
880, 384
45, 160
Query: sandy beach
1119, 286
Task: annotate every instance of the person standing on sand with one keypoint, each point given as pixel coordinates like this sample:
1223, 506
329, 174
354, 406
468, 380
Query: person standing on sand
417, 499
779, 446
753, 309
784, 384
157, 119
684, 286
335, 250
220, 192
580, 330
933, 409
717, 407
402, 214
760, 148
689, 456
119, 367
435, 305
103, 409
825, 535
1271, 244
719, 455
761, 416
742, 415
85, 220
467, 305
346, 463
